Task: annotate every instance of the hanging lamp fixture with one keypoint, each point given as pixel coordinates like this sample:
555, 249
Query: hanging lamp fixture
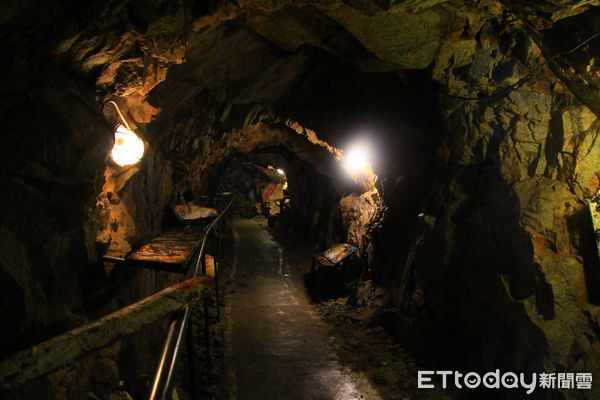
129, 147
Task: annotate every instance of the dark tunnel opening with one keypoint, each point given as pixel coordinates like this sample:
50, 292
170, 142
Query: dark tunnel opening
276, 183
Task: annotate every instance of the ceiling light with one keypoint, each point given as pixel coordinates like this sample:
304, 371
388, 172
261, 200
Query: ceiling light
357, 158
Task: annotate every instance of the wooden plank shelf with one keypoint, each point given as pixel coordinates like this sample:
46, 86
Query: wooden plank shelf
170, 251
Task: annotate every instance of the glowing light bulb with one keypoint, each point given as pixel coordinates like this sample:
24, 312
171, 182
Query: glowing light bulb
280, 171
128, 148
357, 159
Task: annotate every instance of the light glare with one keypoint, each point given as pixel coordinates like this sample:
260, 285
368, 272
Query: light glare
280, 171
357, 159
128, 148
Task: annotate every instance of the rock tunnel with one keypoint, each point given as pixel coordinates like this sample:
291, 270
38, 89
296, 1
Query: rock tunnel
453, 144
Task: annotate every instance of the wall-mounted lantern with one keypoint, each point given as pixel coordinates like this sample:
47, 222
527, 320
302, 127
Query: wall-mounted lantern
128, 148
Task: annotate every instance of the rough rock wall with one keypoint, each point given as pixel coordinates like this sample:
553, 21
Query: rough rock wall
501, 256
53, 146
130, 207
62, 208
511, 233
64, 204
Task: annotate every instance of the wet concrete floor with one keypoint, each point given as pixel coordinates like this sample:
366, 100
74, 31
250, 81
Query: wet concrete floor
278, 345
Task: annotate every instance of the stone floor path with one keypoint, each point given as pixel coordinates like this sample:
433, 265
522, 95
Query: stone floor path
278, 346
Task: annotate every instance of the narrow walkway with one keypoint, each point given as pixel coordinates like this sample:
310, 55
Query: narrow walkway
279, 351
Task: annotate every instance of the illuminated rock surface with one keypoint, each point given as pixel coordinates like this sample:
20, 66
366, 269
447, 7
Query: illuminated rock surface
475, 129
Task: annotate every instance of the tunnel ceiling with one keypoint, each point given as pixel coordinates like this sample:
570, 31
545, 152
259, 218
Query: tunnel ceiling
283, 63
255, 50
487, 112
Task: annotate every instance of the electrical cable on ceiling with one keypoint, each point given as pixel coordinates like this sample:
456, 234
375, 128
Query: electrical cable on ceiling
502, 91
120, 114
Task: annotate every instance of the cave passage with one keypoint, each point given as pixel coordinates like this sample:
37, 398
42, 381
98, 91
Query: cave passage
450, 149
256, 185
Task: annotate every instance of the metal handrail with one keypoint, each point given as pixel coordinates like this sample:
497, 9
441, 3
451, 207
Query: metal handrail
69, 347
162, 384
23, 360
206, 232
